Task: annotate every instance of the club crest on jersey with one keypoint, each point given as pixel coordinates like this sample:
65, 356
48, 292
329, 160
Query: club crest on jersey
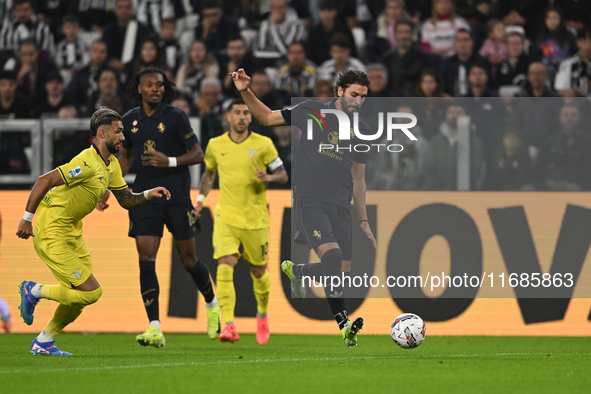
149, 145
161, 127
75, 172
111, 178
251, 152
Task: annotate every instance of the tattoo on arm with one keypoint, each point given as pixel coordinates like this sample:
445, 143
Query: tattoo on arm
129, 200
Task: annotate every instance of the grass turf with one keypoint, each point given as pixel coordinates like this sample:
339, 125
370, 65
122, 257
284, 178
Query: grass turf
114, 363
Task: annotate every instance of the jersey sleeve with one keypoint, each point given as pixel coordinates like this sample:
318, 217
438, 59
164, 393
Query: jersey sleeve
76, 171
209, 159
296, 115
185, 131
271, 157
127, 144
117, 182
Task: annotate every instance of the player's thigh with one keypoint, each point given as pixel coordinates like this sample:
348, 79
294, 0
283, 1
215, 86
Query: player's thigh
147, 220
313, 222
226, 240
343, 232
62, 259
256, 245
182, 221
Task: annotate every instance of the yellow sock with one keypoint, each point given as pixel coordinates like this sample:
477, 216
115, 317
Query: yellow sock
70, 297
261, 287
226, 292
64, 315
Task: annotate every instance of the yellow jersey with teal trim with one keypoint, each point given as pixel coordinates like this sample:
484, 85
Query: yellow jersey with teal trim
243, 201
86, 179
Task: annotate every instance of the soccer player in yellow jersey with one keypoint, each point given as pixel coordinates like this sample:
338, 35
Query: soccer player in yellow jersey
62, 198
241, 157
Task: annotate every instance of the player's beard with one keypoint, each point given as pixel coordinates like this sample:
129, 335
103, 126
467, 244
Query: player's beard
112, 147
345, 106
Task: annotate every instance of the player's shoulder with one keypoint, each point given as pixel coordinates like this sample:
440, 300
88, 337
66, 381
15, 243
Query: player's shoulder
219, 140
313, 104
170, 110
259, 138
134, 112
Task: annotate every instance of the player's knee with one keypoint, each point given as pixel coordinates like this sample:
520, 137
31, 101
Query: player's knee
189, 262
258, 272
333, 259
90, 297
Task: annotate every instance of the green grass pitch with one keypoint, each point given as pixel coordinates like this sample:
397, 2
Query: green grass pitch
114, 363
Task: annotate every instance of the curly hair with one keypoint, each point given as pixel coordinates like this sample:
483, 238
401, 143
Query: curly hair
349, 77
132, 90
102, 116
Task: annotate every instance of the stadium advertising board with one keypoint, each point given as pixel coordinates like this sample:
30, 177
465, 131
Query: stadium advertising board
550, 232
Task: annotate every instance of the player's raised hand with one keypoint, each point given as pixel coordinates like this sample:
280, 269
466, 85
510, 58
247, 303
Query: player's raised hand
157, 159
263, 176
25, 229
367, 230
159, 192
241, 80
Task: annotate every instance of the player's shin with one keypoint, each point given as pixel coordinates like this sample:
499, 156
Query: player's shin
331, 262
261, 287
64, 315
150, 289
226, 291
200, 275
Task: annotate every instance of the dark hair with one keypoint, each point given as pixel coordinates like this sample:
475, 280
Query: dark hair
158, 62
349, 77
260, 71
339, 40
436, 76
168, 20
235, 37
463, 30
169, 92
102, 116
402, 22
28, 41
561, 31
71, 18
209, 4
327, 5
583, 33
19, 2
234, 102
490, 25
318, 85
515, 33
7, 74
301, 43
480, 65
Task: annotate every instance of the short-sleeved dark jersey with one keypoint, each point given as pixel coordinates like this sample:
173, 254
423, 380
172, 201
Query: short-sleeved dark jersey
168, 131
324, 175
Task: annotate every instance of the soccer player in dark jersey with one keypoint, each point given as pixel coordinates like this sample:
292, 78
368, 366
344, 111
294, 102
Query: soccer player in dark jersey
323, 183
159, 139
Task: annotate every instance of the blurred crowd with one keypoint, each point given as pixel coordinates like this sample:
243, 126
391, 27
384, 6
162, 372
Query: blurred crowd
520, 69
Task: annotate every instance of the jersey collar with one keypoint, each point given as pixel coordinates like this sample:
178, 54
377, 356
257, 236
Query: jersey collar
155, 115
99, 154
238, 143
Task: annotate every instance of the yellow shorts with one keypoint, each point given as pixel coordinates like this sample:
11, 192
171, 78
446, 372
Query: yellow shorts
67, 258
227, 240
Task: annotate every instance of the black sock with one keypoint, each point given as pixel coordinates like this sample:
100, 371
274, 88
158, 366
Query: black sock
331, 263
200, 275
150, 289
311, 269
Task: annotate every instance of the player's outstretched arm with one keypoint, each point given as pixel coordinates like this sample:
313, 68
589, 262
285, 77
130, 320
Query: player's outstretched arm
260, 111
206, 185
129, 200
42, 186
358, 173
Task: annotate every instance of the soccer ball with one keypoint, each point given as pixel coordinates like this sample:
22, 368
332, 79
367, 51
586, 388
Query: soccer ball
408, 331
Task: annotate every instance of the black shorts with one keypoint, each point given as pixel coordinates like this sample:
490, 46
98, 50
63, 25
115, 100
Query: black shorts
149, 219
320, 222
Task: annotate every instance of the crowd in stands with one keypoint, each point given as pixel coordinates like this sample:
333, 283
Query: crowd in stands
520, 69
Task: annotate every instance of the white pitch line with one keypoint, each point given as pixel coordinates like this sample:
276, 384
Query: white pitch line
103, 368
